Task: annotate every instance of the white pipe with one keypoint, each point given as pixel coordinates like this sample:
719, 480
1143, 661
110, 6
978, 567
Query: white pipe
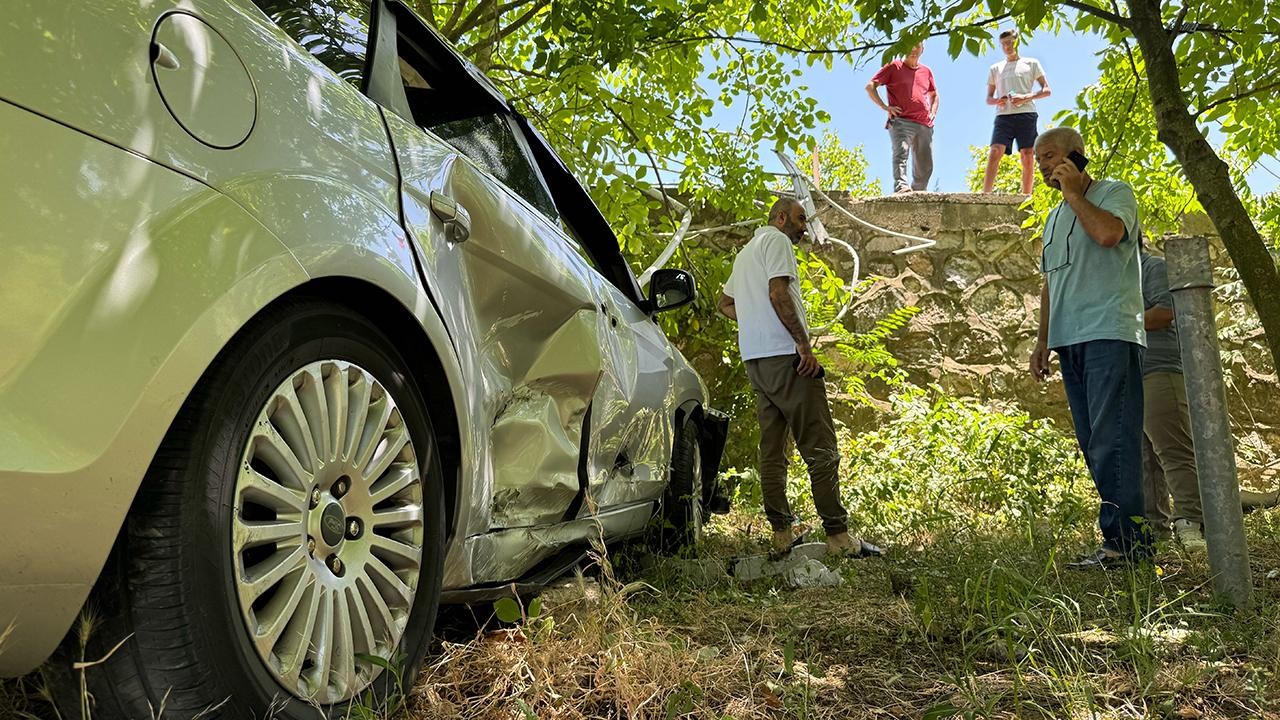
853, 283
677, 238
922, 242
804, 188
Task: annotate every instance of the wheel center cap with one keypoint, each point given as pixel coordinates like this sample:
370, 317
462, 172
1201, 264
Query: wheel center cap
333, 524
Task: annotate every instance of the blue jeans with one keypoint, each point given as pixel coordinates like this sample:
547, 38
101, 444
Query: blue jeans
1103, 380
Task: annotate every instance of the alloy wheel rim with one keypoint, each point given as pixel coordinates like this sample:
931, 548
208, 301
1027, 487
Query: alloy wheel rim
327, 531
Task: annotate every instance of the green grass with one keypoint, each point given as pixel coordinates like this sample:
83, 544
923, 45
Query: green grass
971, 615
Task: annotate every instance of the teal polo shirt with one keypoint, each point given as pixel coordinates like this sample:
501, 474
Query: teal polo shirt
1095, 293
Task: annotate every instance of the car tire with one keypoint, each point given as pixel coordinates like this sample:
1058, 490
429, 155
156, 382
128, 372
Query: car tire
683, 512
170, 611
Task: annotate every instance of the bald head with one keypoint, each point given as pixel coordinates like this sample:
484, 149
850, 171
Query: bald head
789, 216
1062, 139
782, 206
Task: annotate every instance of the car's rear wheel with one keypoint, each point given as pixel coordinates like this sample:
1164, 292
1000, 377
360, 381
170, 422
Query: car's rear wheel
286, 548
680, 521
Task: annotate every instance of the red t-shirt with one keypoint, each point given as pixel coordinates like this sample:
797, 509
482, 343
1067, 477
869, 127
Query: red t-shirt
908, 88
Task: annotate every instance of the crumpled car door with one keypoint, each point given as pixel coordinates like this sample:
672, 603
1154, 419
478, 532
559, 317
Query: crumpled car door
631, 416
524, 314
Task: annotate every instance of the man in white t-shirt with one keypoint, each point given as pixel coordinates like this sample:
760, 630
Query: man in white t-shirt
1011, 89
763, 295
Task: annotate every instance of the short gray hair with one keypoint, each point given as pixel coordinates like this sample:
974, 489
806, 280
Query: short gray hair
1064, 138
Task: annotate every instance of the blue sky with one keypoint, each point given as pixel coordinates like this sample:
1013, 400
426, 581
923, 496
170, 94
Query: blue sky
1069, 61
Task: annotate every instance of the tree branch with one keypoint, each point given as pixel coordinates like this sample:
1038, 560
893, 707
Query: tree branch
1234, 98
485, 12
1133, 99
502, 67
666, 203
520, 22
471, 20
448, 28
731, 39
1186, 28
1107, 15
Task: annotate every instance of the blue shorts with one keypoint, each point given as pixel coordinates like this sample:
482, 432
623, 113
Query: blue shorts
1018, 126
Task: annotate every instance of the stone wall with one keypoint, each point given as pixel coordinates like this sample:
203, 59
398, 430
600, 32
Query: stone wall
978, 293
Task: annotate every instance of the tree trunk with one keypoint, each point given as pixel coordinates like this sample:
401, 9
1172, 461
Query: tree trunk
1207, 172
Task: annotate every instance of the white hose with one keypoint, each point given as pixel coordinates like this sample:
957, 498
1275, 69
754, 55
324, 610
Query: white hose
678, 237
853, 283
803, 188
922, 242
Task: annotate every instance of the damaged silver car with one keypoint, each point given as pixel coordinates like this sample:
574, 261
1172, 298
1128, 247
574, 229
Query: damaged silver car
307, 331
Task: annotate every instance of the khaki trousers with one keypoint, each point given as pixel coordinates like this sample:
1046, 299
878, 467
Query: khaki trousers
787, 402
1167, 424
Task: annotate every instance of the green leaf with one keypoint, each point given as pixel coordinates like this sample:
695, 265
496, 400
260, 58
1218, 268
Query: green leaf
508, 610
1034, 12
940, 712
374, 660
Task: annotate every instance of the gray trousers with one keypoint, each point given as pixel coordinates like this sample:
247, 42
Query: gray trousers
911, 138
1170, 467
787, 402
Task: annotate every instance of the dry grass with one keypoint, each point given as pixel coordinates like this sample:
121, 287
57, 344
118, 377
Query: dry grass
592, 655
988, 627
976, 626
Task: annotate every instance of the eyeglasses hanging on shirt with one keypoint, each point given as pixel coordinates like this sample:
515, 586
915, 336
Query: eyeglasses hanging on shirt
1066, 239
1051, 245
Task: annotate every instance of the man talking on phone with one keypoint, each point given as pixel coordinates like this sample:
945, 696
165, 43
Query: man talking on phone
763, 296
1091, 314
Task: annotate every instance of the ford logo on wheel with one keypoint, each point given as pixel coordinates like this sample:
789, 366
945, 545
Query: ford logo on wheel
333, 525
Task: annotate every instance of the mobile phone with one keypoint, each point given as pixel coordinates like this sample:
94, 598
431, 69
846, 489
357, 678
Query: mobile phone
1080, 160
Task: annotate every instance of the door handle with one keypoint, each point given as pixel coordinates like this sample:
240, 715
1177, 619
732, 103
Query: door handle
454, 217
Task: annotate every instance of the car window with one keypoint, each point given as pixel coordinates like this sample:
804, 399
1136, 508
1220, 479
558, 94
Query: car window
462, 109
335, 31
491, 142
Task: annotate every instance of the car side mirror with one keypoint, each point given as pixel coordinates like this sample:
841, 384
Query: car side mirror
669, 289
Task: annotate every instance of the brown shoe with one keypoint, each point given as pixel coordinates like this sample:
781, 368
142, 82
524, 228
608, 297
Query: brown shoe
782, 540
785, 539
844, 545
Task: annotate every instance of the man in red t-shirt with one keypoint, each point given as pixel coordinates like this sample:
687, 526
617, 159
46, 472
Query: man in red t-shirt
913, 103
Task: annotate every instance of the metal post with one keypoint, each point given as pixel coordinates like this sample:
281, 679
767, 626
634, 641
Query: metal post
1191, 280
